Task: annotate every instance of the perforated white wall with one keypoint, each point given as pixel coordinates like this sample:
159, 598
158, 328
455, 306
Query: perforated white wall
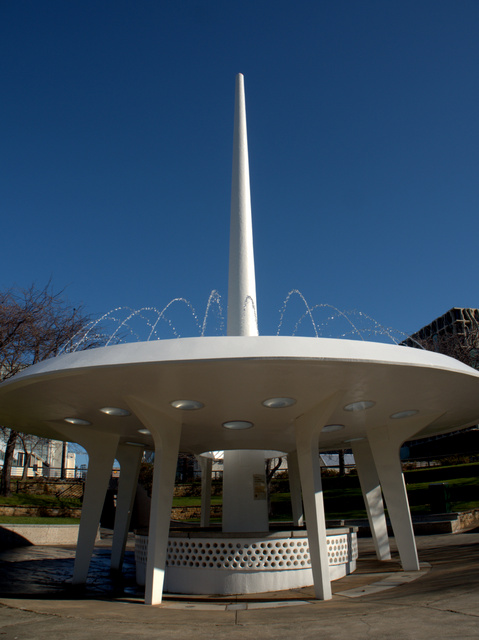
283, 553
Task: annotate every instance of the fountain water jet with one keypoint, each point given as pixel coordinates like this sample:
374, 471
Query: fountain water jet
123, 324
124, 331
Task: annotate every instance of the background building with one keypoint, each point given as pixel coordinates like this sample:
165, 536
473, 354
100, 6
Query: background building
44, 458
455, 334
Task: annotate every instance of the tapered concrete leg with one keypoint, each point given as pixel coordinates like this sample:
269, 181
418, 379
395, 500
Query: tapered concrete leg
166, 456
306, 429
310, 471
245, 500
385, 451
129, 457
206, 465
101, 448
295, 489
373, 498
385, 444
166, 435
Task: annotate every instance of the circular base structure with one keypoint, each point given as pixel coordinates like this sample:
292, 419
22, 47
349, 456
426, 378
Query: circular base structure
216, 563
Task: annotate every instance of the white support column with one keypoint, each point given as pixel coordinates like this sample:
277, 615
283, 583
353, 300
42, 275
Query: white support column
307, 428
295, 489
167, 443
388, 464
166, 435
310, 470
385, 443
245, 500
373, 498
206, 465
101, 448
129, 457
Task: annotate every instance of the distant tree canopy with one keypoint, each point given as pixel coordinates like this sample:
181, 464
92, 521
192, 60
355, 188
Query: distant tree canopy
35, 324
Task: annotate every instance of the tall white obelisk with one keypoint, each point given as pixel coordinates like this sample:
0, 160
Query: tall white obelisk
245, 506
242, 316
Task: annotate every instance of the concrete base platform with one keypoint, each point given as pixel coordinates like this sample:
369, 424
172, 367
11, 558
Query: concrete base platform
455, 522
377, 602
18, 535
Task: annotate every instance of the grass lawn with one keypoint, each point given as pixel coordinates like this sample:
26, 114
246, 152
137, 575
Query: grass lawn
464, 495
194, 501
39, 500
342, 496
37, 520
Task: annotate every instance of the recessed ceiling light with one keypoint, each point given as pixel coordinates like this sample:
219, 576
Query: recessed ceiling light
77, 421
237, 424
145, 432
354, 440
332, 427
359, 406
115, 411
187, 405
278, 403
404, 414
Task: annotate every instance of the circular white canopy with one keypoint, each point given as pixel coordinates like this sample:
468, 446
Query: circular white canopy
229, 378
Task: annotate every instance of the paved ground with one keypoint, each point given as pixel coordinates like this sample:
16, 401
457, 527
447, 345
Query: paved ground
377, 601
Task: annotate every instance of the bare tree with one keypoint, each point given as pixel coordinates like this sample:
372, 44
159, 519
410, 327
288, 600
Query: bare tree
35, 324
10, 437
30, 444
341, 463
271, 466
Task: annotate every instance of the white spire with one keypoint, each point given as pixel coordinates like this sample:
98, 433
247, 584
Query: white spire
242, 315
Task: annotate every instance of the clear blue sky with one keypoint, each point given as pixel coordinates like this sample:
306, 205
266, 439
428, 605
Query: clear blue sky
116, 125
